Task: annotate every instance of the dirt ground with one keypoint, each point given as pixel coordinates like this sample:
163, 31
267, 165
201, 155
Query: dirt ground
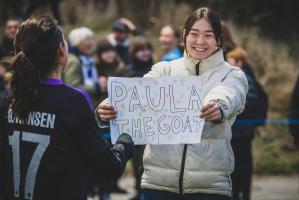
263, 188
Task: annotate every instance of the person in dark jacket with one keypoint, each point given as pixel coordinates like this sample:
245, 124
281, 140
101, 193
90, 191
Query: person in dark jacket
5, 76
141, 54
4, 178
107, 60
55, 147
294, 114
10, 29
243, 134
120, 37
108, 64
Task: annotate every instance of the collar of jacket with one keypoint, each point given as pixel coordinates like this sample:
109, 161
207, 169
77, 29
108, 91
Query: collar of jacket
209, 63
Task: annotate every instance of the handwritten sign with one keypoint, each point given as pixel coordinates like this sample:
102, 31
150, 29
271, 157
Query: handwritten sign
162, 110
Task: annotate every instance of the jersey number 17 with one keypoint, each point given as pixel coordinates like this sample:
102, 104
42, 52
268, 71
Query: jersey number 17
14, 140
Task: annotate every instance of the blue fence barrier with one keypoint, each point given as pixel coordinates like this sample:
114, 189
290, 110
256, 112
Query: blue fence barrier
266, 122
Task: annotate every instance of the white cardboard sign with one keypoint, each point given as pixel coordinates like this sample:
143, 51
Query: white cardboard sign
162, 110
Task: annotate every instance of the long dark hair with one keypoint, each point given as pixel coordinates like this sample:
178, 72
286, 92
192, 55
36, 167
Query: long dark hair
36, 43
204, 13
139, 43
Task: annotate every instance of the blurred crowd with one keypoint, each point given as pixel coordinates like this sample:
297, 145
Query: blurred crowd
127, 52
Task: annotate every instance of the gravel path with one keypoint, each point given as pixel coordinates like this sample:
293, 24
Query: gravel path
264, 188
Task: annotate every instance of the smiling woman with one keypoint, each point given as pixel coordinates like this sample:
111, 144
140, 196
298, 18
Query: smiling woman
197, 171
202, 34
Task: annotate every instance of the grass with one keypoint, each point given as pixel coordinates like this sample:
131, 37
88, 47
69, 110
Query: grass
273, 148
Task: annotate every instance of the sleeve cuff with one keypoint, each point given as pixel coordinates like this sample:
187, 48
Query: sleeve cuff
100, 123
222, 114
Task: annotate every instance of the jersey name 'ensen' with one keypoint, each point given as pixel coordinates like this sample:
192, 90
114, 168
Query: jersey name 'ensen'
38, 119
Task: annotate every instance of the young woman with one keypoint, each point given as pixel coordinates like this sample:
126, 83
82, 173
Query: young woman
55, 148
196, 171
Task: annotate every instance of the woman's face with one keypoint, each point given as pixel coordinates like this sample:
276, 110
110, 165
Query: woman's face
108, 56
167, 39
144, 55
201, 41
86, 46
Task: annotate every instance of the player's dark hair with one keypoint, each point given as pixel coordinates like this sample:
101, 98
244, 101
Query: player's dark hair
36, 43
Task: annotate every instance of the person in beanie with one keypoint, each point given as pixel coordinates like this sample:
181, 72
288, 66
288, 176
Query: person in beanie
81, 70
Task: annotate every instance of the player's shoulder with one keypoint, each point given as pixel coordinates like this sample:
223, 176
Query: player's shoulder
77, 96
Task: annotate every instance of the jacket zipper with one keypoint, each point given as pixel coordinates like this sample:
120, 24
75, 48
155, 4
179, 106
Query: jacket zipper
197, 69
185, 149
182, 169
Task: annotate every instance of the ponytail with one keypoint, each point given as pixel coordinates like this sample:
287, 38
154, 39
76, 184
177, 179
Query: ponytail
36, 43
24, 85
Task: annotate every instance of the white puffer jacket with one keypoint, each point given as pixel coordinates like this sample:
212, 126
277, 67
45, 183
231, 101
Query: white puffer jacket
204, 167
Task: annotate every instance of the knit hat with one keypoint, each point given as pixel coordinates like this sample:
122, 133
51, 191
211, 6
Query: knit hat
78, 35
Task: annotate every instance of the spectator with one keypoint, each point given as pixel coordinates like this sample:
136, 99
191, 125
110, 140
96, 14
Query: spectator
108, 64
5, 76
243, 134
196, 171
119, 38
81, 70
141, 53
170, 43
10, 29
4, 99
107, 59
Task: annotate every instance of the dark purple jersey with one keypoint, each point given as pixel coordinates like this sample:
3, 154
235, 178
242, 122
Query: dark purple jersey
56, 149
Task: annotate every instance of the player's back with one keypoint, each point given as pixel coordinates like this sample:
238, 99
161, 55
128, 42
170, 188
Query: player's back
47, 148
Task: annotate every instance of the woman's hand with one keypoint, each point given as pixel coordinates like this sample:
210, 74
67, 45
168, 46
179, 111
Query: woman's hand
211, 112
106, 112
128, 23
